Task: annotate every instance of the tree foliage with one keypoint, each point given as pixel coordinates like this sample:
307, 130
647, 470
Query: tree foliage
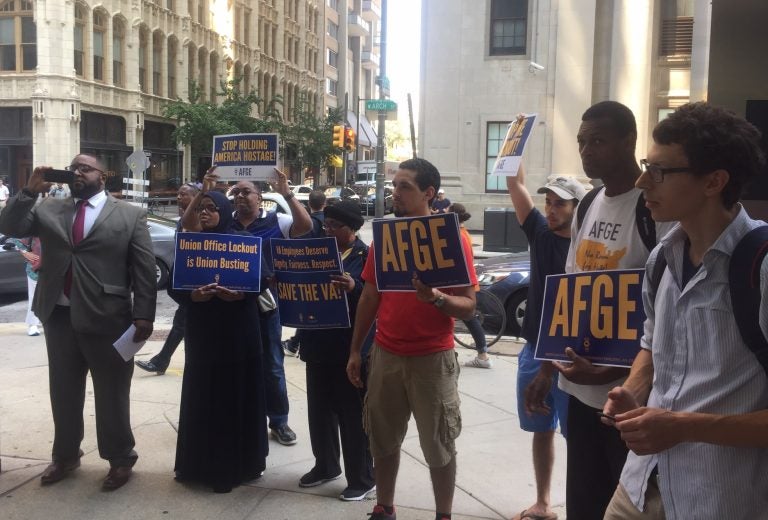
308, 140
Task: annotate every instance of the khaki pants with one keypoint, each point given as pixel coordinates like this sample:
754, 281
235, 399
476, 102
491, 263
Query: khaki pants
622, 508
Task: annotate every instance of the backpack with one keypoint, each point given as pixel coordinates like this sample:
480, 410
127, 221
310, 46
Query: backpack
645, 223
744, 283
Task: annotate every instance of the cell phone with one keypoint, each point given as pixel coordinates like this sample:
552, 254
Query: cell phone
606, 416
64, 176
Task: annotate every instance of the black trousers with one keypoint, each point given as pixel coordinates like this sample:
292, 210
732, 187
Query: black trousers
335, 407
163, 358
596, 456
71, 356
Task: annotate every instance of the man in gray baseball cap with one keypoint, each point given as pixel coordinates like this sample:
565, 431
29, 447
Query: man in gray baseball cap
567, 188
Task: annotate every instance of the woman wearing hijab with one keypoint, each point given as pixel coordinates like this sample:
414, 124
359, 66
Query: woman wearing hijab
222, 438
335, 407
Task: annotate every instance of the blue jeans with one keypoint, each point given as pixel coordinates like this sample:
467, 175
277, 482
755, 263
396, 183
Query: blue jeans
478, 334
274, 372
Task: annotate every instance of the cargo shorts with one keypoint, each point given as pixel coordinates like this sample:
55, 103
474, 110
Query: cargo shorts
425, 386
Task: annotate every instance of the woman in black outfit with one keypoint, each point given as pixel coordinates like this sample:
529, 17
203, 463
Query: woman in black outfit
334, 405
222, 438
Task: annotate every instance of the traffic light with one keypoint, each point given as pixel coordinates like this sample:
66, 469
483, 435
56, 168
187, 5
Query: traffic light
338, 136
349, 139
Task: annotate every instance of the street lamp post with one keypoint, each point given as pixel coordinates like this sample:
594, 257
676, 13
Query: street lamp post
382, 115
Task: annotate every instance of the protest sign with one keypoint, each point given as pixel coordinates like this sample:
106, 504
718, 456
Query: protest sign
599, 314
305, 294
232, 261
428, 246
511, 154
246, 156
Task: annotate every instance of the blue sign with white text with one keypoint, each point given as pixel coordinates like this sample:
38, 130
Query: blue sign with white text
232, 261
599, 314
428, 246
306, 294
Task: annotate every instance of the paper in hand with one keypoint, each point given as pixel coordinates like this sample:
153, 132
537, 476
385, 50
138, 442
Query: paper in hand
511, 152
125, 345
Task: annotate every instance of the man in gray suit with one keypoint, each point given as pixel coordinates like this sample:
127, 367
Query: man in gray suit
95, 250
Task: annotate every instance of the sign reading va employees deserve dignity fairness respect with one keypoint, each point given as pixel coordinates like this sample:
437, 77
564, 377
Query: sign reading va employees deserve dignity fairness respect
305, 294
245, 156
599, 314
232, 261
428, 246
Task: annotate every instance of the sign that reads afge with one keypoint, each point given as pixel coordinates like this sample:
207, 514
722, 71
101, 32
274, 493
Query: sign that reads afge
246, 156
232, 261
428, 246
599, 314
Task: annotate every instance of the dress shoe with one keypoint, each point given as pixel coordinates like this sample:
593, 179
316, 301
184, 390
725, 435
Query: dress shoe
116, 478
149, 366
58, 470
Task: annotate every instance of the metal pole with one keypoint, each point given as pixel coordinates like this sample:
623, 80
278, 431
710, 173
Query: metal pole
413, 132
382, 116
344, 152
357, 135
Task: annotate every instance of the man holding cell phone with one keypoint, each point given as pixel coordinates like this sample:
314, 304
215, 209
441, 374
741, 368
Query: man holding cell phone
96, 251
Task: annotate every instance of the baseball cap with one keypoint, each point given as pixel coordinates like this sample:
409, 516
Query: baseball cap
566, 188
440, 191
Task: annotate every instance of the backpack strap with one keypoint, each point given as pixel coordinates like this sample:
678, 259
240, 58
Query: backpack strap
645, 224
744, 281
584, 203
658, 271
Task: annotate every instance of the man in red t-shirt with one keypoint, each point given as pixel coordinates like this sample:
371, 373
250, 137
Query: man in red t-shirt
412, 367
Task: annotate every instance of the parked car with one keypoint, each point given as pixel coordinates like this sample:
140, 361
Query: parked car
302, 192
334, 194
507, 277
13, 278
368, 201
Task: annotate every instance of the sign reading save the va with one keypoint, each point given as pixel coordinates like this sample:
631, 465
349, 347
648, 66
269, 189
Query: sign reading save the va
245, 156
599, 314
232, 261
305, 294
428, 246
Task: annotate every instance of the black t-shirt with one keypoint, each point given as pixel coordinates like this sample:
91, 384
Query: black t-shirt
548, 254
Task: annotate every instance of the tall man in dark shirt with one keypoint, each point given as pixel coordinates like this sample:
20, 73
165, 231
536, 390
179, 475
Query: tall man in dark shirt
549, 238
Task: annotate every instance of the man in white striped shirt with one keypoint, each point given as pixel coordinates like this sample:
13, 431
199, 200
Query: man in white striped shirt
694, 409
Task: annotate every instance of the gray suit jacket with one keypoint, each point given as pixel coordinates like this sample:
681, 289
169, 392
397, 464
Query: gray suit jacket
114, 258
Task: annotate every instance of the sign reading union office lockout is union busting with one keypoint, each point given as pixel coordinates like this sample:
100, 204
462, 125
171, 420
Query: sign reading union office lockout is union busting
246, 156
599, 314
305, 293
428, 246
232, 261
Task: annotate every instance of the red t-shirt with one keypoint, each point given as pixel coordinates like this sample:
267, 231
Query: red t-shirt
407, 327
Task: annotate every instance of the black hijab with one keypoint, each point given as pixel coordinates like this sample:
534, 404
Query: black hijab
225, 212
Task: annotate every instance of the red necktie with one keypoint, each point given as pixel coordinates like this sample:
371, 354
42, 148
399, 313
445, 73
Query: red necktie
78, 230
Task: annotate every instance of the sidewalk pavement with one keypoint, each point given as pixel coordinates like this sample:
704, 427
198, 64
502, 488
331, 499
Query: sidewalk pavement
495, 474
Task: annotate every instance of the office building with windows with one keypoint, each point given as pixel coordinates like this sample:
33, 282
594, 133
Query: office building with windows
352, 33
94, 76
484, 62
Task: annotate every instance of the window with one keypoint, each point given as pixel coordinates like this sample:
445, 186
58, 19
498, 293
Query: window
333, 58
157, 64
169, 5
18, 36
494, 140
333, 4
238, 23
247, 27
143, 44
172, 50
79, 40
118, 38
99, 29
333, 30
509, 21
331, 86
214, 78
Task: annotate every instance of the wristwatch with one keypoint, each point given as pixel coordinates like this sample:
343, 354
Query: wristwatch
288, 196
439, 301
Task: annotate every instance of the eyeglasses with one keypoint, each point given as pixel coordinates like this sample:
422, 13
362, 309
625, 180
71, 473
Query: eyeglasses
657, 173
245, 193
82, 168
207, 208
333, 226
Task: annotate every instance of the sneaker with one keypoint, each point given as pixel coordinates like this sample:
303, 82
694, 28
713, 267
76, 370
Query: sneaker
478, 363
379, 514
33, 331
351, 494
313, 479
290, 346
284, 435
